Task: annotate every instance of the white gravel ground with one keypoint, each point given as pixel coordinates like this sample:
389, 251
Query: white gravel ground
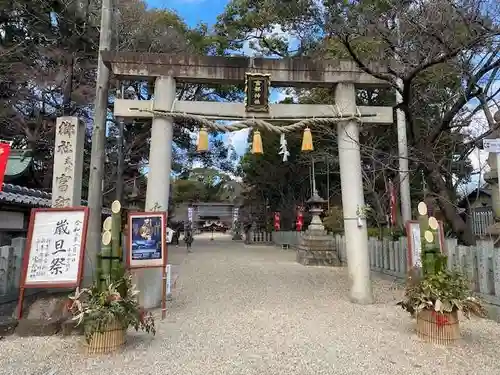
253, 310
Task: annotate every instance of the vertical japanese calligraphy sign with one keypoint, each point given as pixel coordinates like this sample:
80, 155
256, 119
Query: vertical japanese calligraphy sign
414, 242
55, 249
4, 158
257, 86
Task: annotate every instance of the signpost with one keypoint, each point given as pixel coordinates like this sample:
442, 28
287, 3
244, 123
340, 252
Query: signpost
147, 245
55, 249
147, 240
415, 245
492, 145
168, 272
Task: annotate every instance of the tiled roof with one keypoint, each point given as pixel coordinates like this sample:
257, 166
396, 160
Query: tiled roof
21, 195
16, 194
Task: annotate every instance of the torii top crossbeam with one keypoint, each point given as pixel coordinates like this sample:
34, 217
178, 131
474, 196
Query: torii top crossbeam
297, 72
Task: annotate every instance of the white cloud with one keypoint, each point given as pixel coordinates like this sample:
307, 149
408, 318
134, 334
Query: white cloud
276, 31
277, 95
239, 140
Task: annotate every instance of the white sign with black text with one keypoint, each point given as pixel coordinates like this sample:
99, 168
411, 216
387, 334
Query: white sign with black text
415, 242
492, 145
55, 248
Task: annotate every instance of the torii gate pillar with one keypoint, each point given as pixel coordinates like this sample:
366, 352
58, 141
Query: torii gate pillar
302, 72
158, 190
358, 261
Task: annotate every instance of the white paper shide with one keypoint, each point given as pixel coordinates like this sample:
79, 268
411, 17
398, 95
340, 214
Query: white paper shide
55, 248
283, 147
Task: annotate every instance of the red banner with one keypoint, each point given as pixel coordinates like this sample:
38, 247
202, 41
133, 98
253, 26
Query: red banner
277, 224
300, 221
392, 204
4, 157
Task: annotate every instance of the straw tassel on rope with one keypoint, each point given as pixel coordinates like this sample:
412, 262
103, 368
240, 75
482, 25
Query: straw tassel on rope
307, 142
257, 143
202, 140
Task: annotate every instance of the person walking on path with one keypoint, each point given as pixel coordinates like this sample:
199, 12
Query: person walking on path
177, 235
188, 237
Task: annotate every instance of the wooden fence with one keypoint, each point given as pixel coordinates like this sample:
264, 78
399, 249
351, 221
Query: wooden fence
261, 237
481, 218
481, 263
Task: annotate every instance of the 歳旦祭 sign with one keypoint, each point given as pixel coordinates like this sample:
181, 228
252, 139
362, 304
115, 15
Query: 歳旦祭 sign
55, 249
147, 245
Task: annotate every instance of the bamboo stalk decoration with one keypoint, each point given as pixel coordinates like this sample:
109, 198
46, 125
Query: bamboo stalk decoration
105, 256
430, 249
116, 234
110, 258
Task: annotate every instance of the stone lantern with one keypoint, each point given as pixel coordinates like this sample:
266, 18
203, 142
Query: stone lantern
316, 247
316, 204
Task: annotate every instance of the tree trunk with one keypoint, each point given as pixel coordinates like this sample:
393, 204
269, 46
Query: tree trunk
380, 213
437, 185
68, 86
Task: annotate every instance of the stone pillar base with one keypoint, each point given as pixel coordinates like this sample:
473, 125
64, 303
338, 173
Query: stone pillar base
316, 249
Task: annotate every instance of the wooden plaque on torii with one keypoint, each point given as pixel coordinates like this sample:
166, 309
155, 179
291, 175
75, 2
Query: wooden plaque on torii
257, 86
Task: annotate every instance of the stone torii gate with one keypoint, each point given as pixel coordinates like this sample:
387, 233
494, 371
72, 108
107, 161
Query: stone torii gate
169, 70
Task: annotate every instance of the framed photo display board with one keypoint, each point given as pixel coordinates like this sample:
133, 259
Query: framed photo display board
147, 240
414, 242
55, 249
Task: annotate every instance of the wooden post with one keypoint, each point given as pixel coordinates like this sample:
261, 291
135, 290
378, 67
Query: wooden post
116, 230
99, 137
105, 255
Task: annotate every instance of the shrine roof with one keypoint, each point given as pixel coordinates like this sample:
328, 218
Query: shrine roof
20, 195
17, 163
15, 194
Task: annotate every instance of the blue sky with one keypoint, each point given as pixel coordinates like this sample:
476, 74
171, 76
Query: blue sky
193, 12
206, 11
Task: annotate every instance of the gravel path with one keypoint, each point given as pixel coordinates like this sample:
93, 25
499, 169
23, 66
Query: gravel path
253, 310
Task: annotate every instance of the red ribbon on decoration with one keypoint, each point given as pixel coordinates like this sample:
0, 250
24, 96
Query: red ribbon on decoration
4, 158
441, 320
277, 224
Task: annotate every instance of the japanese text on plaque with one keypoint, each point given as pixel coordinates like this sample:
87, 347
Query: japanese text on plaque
55, 251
